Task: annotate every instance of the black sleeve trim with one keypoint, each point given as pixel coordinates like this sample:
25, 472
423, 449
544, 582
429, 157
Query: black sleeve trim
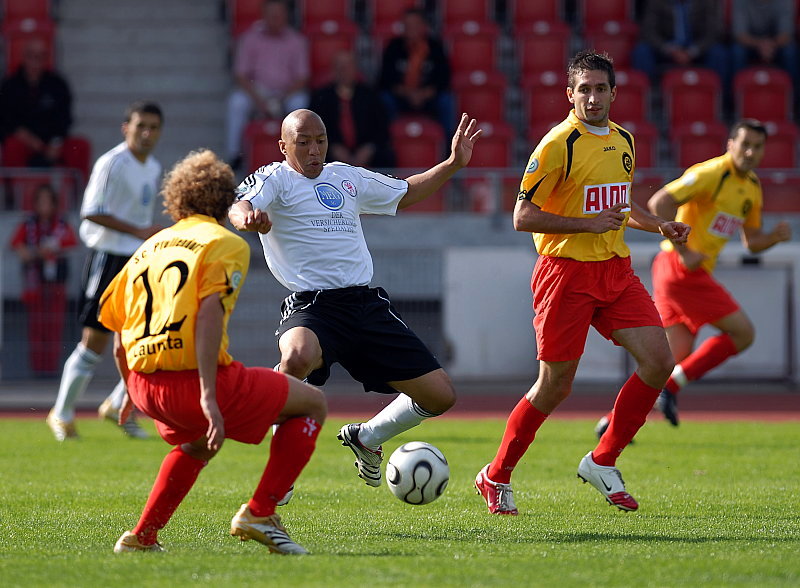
528, 195
573, 136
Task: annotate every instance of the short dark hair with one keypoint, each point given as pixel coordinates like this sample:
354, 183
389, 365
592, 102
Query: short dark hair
750, 124
141, 107
590, 60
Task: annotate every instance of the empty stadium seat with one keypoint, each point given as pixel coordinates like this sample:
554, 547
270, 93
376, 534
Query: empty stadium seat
495, 145
698, 141
526, 12
781, 147
14, 10
542, 46
458, 11
593, 14
481, 94
691, 94
617, 38
633, 96
646, 140
764, 93
472, 45
325, 40
77, 155
315, 12
781, 192
261, 143
418, 143
645, 184
545, 97
487, 194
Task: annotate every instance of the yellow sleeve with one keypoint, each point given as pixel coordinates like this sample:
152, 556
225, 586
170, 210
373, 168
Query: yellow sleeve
112, 308
694, 183
224, 269
543, 172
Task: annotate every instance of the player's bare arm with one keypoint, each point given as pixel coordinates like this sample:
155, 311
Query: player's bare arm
117, 224
756, 240
422, 185
208, 335
663, 204
529, 218
121, 361
244, 218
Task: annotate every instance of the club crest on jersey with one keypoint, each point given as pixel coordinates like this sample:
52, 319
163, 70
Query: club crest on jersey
329, 196
601, 196
627, 162
349, 187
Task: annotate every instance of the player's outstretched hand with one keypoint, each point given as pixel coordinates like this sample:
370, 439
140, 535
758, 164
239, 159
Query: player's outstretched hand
610, 219
674, 231
781, 232
464, 140
253, 220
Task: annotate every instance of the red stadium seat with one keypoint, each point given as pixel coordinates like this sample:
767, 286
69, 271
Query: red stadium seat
646, 138
18, 33
15, 10
23, 189
496, 142
495, 152
418, 144
243, 14
616, 38
481, 94
594, 14
526, 12
472, 45
261, 143
633, 96
781, 147
764, 93
542, 46
781, 192
545, 97
77, 155
458, 11
645, 184
326, 39
698, 141
315, 12
386, 13
691, 94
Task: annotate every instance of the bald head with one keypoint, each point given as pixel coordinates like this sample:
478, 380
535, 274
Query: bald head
304, 142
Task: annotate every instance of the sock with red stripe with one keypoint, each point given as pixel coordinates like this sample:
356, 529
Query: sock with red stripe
289, 452
711, 353
523, 422
634, 402
175, 478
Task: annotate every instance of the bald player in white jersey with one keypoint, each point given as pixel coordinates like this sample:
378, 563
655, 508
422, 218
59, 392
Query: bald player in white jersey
117, 216
307, 212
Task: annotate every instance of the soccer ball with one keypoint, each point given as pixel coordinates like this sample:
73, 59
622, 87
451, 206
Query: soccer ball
417, 473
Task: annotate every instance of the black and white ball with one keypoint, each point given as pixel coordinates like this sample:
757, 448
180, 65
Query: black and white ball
417, 473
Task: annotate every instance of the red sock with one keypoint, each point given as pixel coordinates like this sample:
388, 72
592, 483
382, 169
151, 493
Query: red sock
634, 402
523, 422
709, 355
175, 478
672, 386
291, 448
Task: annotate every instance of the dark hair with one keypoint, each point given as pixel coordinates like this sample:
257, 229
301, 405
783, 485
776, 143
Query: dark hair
750, 124
141, 107
590, 60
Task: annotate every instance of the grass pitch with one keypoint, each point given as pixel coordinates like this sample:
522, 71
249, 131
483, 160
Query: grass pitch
719, 505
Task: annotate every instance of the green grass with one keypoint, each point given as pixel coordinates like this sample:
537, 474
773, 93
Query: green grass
719, 505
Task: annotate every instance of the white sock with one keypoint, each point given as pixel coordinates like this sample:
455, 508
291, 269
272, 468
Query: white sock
117, 395
679, 377
401, 415
78, 371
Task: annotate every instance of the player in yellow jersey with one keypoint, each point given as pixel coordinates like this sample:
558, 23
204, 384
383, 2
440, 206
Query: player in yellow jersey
575, 199
169, 308
719, 198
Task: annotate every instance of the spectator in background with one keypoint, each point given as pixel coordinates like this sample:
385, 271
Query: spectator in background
415, 73
682, 33
763, 33
35, 111
358, 130
271, 70
41, 242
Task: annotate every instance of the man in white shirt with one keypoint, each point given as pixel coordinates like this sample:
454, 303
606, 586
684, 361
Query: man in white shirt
117, 216
308, 215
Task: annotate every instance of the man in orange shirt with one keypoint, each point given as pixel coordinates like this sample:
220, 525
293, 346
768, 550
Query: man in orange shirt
169, 307
575, 199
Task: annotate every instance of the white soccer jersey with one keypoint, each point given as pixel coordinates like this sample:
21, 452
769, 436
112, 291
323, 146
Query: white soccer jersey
316, 241
122, 186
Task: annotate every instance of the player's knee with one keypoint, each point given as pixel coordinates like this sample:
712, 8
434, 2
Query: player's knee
199, 451
441, 399
297, 362
658, 369
745, 338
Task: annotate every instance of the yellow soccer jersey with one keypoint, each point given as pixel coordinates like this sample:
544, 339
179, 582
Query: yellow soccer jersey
716, 201
153, 301
575, 173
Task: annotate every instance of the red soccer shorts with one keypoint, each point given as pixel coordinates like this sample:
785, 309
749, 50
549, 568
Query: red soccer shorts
570, 295
693, 298
250, 400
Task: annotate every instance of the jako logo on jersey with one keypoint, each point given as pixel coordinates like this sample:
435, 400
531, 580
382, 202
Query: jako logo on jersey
601, 196
329, 196
349, 187
725, 225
